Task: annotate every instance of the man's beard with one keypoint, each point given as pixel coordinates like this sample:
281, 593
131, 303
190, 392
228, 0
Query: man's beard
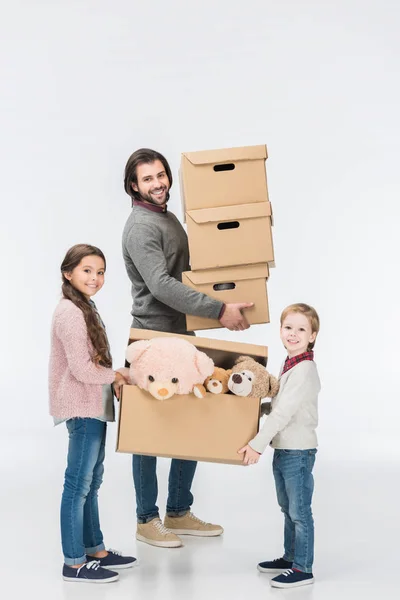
148, 198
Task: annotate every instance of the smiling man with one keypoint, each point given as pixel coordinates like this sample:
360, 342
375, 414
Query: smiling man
155, 250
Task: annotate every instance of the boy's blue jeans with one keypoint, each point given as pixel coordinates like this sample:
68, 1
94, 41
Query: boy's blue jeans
80, 526
180, 498
294, 489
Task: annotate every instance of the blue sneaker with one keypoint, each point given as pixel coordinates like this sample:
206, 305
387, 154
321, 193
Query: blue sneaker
90, 572
292, 578
274, 566
115, 560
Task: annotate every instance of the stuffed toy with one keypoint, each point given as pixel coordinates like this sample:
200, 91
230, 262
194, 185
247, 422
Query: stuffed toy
249, 378
166, 366
217, 383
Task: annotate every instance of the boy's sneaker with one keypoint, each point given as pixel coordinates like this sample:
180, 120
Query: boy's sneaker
115, 560
292, 578
90, 572
274, 566
189, 524
155, 534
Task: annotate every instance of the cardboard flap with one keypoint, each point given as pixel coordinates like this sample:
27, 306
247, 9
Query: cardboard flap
223, 353
183, 199
207, 157
272, 218
230, 213
230, 274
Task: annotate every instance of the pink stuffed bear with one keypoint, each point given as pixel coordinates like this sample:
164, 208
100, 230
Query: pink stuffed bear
167, 365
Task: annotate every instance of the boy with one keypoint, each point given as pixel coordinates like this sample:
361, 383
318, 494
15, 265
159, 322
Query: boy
290, 429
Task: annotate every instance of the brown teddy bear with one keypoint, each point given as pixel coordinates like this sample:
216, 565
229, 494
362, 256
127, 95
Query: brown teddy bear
217, 383
250, 378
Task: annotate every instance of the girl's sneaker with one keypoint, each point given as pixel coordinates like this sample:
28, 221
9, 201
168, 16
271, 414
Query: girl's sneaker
274, 566
90, 572
292, 578
115, 560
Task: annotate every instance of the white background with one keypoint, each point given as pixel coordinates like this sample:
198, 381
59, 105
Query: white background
86, 82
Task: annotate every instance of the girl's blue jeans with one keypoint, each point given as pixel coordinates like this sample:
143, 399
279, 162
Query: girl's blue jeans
80, 526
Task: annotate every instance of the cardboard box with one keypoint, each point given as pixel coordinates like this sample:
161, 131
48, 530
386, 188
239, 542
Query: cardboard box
230, 236
229, 176
211, 429
231, 284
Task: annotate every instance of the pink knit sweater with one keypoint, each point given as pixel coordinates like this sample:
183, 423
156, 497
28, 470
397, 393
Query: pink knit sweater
75, 382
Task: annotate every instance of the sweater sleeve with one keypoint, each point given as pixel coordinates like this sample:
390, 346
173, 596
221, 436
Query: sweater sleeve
301, 383
146, 252
72, 332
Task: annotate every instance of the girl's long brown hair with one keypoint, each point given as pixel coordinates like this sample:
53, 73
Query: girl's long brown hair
95, 330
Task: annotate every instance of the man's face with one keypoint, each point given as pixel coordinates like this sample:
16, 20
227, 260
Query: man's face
152, 183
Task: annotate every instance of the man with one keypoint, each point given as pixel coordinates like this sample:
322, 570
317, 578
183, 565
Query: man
155, 250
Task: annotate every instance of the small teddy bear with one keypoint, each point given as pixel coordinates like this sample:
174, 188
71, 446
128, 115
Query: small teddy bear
250, 378
167, 365
217, 383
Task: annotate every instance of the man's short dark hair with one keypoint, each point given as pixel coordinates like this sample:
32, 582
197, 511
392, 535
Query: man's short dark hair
142, 156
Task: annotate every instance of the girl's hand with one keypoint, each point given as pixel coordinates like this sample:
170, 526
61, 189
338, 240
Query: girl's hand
124, 372
250, 456
118, 382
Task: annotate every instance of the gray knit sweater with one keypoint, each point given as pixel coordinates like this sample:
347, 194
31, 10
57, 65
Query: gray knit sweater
155, 251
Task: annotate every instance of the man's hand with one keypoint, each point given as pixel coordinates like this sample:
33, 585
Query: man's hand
250, 456
233, 318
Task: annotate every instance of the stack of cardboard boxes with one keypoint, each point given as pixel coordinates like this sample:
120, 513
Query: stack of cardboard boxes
229, 220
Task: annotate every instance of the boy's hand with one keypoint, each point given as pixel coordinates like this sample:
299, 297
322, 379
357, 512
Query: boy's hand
250, 456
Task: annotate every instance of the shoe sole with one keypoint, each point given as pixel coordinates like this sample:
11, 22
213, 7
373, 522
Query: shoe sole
176, 544
214, 533
290, 585
276, 571
123, 566
81, 580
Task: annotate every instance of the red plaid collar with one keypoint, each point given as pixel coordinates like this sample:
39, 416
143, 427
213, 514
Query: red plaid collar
295, 360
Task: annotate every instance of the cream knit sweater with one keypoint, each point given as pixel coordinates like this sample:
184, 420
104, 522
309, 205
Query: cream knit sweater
293, 417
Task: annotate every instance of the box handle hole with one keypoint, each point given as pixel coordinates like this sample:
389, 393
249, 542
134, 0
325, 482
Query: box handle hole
220, 287
228, 225
225, 167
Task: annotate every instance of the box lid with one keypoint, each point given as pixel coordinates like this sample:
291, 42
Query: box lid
207, 157
222, 352
229, 274
230, 213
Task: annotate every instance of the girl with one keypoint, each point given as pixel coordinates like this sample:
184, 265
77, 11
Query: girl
80, 378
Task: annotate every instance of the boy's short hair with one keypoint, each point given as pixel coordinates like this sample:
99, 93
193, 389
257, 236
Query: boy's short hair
309, 312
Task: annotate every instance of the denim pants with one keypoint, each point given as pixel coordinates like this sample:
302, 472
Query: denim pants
80, 526
180, 498
294, 484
